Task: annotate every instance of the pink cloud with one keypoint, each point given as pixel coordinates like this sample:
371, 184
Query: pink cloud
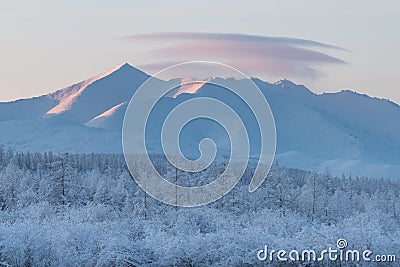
255, 55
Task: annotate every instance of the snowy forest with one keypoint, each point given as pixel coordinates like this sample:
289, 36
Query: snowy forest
86, 210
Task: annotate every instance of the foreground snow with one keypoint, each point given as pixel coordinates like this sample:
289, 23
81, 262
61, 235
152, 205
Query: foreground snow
85, 210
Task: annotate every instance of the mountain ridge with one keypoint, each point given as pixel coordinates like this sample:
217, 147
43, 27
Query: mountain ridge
343, 131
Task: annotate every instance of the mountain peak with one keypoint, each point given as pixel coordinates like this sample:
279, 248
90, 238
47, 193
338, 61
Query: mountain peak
122, 67
68, 96
126, 65
285, 83
292, 87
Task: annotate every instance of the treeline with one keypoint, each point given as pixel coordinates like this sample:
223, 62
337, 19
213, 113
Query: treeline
85, 209
79, 179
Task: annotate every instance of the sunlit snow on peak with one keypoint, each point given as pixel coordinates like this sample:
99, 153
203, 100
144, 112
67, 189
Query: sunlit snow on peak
190, 86
68, 97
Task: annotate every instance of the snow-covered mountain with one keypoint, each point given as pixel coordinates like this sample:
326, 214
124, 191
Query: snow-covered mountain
345, 132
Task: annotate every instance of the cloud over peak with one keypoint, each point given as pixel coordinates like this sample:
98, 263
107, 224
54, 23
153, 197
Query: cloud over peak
255, 55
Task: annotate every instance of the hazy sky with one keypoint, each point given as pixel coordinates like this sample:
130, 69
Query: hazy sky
46, 45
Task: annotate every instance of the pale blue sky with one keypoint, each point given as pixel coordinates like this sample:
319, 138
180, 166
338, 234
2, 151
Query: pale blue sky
46, 45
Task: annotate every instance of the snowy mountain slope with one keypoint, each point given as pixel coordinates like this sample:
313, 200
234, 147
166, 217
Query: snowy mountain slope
56, 121
96, 96
111, 119
58, 136
82, 101
69, 96
378, 118
346, 132
311, 137
25, 109
190, 86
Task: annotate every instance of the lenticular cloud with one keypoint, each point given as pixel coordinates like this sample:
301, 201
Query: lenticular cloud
255, 55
